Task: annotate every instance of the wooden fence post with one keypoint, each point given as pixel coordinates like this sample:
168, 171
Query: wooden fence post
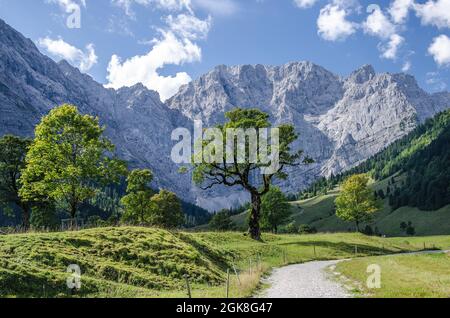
237, 274
188, 286
228, 283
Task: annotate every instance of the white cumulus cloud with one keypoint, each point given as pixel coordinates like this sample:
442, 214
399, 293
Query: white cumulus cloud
390, 49
440, 50
406, 67
435, 13
189, 26
333, 24
144, 69
63, 50
378, 24
399, 10
175, 45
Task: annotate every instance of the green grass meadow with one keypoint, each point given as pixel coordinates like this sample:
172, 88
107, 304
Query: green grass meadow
403, 276
318, 212
148, 262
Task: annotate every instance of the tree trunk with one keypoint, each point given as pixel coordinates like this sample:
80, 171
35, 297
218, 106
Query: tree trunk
357, 226
73, 210
254, 229
25, 217
73, 199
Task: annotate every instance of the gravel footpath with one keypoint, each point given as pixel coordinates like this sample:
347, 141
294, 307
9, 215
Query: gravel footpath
309, 280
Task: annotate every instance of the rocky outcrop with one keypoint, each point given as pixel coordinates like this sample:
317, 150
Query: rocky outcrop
341, 121
137, 122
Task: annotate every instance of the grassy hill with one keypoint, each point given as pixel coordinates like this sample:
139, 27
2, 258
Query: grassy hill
318, 212
146, 262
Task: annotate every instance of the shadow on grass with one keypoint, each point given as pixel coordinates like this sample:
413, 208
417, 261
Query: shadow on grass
219, 258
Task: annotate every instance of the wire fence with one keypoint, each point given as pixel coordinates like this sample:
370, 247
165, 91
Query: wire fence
242, 275
242, 282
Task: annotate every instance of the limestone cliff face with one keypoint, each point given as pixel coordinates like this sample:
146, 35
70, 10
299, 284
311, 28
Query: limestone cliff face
341, 121
138, 123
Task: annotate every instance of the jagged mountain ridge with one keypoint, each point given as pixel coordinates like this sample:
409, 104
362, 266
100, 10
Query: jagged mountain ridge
342, 121
138, 123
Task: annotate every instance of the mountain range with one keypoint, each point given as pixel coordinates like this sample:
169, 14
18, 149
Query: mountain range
341, 121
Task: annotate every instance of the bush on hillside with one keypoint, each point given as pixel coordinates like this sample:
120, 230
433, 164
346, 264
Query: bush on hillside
306, 229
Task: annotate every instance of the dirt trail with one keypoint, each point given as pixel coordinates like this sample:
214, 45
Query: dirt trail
310, 280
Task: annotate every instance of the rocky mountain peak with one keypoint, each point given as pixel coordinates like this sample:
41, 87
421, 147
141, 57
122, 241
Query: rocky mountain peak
363, 74
340, 122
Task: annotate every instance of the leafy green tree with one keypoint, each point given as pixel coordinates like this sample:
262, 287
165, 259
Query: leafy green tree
291, 228
69, 159
410, 230
306, 229
166, 210
275, 209
221, 221
368, 230
43, 216
12, 160
403, 226
356, 202
248, 175
137, 204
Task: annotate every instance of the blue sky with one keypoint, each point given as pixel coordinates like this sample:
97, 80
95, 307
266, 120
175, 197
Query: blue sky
166, 43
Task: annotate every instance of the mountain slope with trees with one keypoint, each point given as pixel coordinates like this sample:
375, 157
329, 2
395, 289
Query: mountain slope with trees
411, 177
422, 158
341, 121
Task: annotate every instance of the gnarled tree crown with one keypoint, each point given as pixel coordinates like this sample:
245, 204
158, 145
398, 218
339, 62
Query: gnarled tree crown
245, 173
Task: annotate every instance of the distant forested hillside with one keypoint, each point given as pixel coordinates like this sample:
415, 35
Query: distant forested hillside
422, 157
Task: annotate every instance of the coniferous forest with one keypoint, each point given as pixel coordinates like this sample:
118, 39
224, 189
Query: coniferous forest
422, 158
